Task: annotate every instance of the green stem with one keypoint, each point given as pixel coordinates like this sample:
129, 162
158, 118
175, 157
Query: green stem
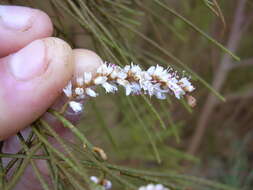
21, 156
33, 164
22, 168
198, 30
62, 156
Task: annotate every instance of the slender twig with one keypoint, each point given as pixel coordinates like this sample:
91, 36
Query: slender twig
33, 164
226, 50
22, 168
220, 77
19, 156
11, 163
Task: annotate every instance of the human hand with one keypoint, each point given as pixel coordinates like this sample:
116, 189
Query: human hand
34, 68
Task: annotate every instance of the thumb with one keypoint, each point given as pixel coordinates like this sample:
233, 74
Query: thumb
31, 80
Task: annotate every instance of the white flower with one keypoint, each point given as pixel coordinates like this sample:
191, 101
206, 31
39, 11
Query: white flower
108, 184
105, 183
76, 106
160, 95
128, 90
127, 68
105, 69
68, 89
109, 87
136, 88
126, 85
122, 75
160, 187
185, 83
151, 70
148, 87
153, 187
94, 179
122, 82
150, 187
158, 70
79, 91
118, 73
176, 89
91, 92
155, 81
160, 73
115, 72
87, 76
146, 76
135, 68
100, 80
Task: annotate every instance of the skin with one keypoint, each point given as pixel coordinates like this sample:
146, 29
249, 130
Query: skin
34, 68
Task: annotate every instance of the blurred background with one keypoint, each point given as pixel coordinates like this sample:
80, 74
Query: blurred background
212, 140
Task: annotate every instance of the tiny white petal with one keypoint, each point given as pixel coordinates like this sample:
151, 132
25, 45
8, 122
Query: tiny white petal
109, 88
150, 187
146, 76
135, 68
136, 88
87, 76
189, 88
94, 179
158, 70
104, 69
118, 73
79, 91
151, 70
127, 68
126, 85
122, 82
142, 188
100, 80
128, 90
91, 92
160, 95
68, 90
108, 184
159, 187
122, 75
186, 84
176, 89
76, 106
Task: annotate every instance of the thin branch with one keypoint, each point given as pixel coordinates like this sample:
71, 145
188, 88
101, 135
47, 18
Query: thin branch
220, 78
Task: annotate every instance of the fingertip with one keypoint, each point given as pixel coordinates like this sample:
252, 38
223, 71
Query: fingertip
43, 27
21, 25
85, 61
60, 54
26, 99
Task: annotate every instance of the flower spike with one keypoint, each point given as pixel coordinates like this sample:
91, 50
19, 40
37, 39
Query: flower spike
155, 81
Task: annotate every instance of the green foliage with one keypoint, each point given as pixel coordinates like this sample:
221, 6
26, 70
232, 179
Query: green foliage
139, 130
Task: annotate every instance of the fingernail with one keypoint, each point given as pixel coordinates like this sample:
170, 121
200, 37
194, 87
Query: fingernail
29, 62
15, 17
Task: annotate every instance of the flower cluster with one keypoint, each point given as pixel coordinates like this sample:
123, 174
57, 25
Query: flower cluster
156, 81
153, 187
106, 184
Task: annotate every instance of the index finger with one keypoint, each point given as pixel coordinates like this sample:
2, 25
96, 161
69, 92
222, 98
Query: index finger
21, 25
